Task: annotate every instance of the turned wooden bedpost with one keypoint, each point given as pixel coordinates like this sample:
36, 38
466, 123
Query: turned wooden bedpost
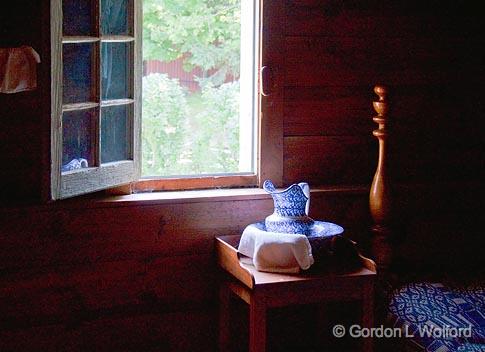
380, 192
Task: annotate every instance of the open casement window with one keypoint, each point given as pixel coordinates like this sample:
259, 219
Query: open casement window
96, 98
96, 47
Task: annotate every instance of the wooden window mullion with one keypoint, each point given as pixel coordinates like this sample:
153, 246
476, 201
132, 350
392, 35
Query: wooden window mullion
97, 126
85, 98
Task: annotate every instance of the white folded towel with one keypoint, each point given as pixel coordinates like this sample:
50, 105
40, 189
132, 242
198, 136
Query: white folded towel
275, 252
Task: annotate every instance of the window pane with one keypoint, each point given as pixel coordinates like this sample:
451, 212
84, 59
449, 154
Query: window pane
115, 70
114, 17
115, 133
198, 90
78, 68
77, 17
77, 139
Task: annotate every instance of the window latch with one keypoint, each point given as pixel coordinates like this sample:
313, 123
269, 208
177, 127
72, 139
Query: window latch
265, 80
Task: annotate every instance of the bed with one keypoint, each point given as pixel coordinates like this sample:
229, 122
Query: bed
433, 313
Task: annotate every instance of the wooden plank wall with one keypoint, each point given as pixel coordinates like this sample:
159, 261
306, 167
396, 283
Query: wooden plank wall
430, 54
142, 277
130, 277
21, 115
80, 276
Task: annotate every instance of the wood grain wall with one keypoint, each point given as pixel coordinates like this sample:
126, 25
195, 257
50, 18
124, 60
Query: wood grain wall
84, 276
430, 54
126, 277
21, 116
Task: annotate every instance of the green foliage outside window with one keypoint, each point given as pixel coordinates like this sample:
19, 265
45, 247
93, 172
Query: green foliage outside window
215, 130
187, 133
164, 110
205, 32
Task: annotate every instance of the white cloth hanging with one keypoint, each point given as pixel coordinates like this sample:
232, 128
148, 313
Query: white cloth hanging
18, 69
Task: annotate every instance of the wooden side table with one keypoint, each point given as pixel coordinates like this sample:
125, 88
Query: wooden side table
267, 290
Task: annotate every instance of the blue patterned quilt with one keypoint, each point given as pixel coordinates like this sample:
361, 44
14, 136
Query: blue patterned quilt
439, 318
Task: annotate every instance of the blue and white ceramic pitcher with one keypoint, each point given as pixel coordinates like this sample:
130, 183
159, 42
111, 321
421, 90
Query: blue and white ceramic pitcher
291, 208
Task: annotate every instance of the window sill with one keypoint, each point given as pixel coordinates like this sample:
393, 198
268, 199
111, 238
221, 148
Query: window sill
195, 183
101, 200
213, 195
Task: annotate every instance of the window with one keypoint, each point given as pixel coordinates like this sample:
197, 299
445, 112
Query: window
199, 101
95, 99
96, 102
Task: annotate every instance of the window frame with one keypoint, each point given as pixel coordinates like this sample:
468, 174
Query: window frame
102, 176
269, 110
219, 180
269, 156
273, 57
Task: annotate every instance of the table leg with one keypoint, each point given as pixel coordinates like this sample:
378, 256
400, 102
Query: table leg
368, 314
257, 324
224, 318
